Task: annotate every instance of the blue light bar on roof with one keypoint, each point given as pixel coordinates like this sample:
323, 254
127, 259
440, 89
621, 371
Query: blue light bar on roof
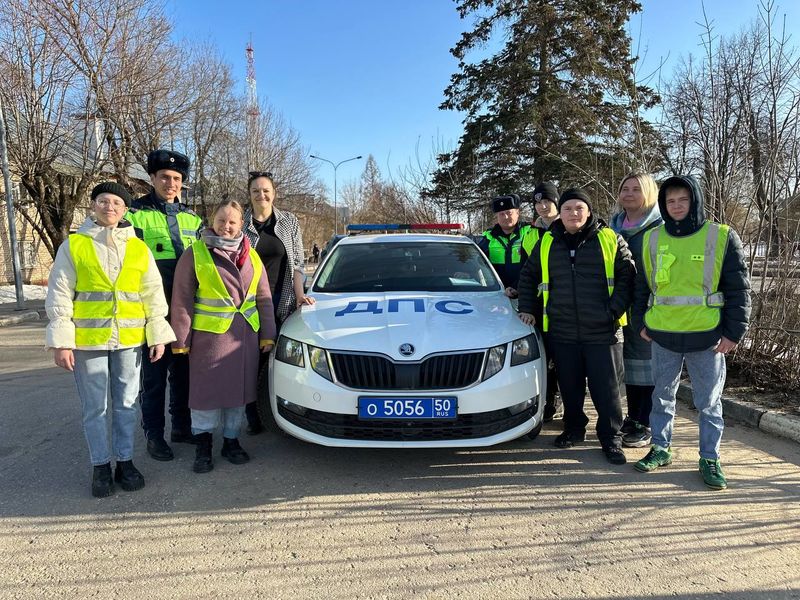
403, 226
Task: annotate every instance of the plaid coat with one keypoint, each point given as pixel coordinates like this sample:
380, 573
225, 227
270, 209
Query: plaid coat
287, 230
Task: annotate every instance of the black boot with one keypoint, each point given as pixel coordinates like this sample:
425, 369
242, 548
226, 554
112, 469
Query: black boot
178, 436
102, 484
158, 448
254, 425
128, 476
233, 451
203, 462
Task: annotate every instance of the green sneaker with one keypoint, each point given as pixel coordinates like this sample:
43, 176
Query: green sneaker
654, 459
712, 474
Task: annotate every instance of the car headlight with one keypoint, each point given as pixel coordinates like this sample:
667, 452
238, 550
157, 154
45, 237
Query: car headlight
494, 361
289, 351
524, 350
319, 362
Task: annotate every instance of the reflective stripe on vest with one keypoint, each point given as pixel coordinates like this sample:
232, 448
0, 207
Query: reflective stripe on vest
684, 284
609, 248
504, 250
160, 237
214, 308
98, 303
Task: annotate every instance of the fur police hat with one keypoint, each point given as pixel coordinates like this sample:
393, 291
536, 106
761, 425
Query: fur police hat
501, 203
546, 190
168, 159
575, 194
111, 187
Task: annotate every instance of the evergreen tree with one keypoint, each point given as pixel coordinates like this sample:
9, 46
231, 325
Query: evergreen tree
557, 101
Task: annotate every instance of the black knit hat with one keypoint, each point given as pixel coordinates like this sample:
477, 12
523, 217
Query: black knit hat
112, 187
168, 159
501, 203
574, 194
546, 190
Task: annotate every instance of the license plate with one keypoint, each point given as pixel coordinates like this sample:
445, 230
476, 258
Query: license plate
442, 407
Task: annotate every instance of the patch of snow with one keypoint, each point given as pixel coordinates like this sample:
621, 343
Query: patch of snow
30, 292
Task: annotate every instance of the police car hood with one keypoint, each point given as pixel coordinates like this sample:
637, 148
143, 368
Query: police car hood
430, 322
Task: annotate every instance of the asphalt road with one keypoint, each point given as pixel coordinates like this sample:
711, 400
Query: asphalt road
523, 520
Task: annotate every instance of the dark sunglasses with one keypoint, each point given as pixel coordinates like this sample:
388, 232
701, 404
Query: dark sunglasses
256, 174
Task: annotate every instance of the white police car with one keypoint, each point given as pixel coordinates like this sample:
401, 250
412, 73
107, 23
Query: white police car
411, 343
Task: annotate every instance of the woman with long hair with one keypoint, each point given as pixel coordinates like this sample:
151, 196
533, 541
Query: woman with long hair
637, 203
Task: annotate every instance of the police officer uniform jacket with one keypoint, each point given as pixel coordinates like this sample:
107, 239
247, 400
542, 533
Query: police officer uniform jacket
180, 237
508, 270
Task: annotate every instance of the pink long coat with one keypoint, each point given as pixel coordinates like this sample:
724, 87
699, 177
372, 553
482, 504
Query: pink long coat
223, 368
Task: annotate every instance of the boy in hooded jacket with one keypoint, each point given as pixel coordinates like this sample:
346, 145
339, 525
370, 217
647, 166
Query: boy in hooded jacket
692, 300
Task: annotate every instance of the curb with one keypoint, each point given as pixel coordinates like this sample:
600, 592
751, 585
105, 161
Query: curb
28, 315
768, 421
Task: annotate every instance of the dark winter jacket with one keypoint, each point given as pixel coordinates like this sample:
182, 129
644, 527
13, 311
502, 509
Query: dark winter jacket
734, 282
579, 308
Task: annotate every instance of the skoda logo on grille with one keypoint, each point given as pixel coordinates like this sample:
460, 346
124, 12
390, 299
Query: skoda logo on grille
407, 349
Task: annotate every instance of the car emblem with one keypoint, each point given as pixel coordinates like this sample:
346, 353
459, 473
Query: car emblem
407, 349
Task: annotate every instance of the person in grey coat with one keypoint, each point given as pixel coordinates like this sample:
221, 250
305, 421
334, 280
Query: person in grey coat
637, 199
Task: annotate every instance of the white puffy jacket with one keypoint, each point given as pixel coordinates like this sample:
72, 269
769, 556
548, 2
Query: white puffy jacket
109, 243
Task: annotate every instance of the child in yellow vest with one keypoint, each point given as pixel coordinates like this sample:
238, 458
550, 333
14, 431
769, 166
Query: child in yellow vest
692, 300
105, 300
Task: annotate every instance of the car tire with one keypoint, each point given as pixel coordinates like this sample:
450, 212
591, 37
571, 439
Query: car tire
262, 401
534, 433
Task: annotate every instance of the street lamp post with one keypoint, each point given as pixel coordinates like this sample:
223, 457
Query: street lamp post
335, 167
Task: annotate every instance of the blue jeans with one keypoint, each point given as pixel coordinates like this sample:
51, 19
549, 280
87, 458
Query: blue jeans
707, 374
206, 421
100, 374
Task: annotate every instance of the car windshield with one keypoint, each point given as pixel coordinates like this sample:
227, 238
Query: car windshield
406, 267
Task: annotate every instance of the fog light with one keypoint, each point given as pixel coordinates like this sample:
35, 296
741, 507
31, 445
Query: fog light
291, 406
525, 405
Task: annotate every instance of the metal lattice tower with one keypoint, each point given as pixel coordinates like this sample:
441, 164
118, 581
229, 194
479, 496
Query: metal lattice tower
253, 112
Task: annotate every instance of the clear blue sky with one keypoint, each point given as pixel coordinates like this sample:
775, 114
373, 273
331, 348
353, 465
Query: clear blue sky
367, 76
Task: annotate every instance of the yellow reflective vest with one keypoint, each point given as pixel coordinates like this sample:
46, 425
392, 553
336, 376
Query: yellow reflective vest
683, 274
98, 302
214, 308
505, 250
608, 244
529, 238
161, 236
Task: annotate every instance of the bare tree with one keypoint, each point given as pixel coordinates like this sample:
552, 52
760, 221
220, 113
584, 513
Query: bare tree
734, 117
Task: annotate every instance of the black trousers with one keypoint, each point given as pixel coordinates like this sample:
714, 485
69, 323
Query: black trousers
152, 393
601, 365
640, 402
552, 380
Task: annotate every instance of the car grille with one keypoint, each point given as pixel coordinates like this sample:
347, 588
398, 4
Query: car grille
441, 372
464, 427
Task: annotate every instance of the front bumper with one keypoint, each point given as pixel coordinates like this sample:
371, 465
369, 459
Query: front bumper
313, 409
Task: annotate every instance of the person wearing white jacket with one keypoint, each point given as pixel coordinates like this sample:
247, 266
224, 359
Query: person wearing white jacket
104, 301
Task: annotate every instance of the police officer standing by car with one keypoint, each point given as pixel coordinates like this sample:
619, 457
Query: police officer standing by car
581, 276
506, 242
168, 228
